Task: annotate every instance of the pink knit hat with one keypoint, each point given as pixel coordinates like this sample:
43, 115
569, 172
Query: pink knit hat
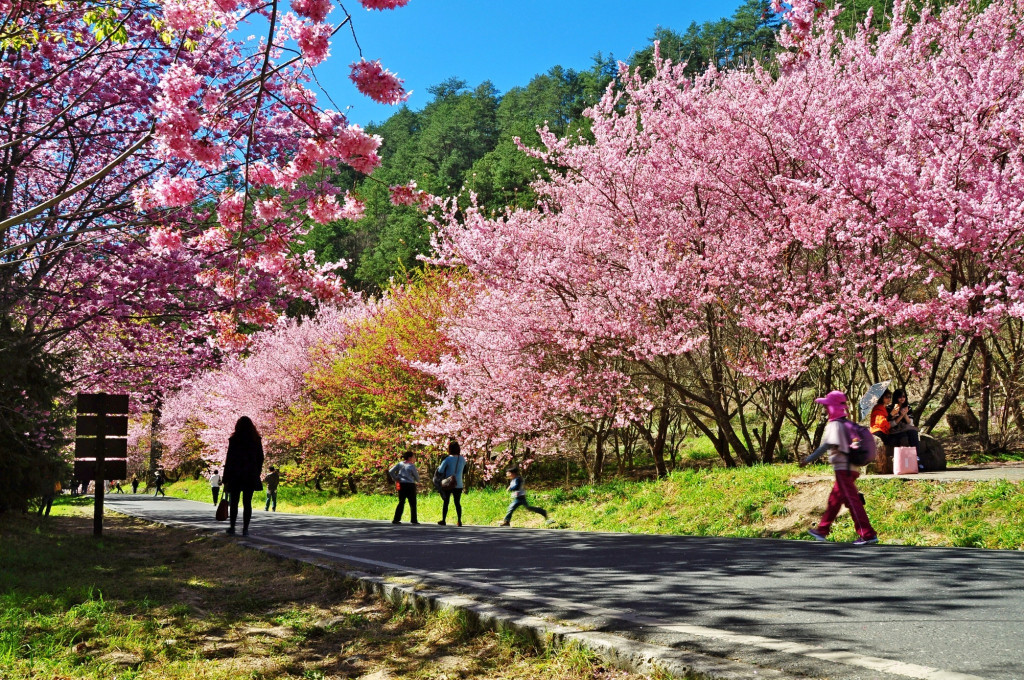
835, 403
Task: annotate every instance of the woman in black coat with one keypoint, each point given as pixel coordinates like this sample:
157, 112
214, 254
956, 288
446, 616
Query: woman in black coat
243, 471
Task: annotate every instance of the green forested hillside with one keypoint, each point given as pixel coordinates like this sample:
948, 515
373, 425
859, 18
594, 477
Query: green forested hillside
462, 141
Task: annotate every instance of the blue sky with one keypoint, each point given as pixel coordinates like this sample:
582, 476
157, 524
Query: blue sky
504, 41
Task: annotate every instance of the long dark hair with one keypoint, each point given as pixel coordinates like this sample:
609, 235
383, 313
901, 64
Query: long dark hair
245, 430
454, 449
900, 393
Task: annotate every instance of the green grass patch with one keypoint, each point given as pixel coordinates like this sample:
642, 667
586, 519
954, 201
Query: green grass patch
151, 602
757, 501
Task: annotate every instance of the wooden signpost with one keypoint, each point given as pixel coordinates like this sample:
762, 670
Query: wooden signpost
100, 444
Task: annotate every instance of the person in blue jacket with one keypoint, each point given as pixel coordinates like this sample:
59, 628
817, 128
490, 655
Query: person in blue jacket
517, 488
453, 465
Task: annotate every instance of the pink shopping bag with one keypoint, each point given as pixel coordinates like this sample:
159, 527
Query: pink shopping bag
904, 460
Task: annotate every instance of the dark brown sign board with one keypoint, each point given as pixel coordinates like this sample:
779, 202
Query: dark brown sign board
103, 426
112, 448
88, 426
85, 470
103, 403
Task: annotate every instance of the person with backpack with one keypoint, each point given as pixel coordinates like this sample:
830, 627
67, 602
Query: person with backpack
215, 485
849, 446
450, 481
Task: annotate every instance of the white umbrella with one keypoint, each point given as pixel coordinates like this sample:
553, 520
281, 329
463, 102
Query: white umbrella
871, 397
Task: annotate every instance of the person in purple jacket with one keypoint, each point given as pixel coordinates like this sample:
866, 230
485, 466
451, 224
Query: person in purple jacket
837, 443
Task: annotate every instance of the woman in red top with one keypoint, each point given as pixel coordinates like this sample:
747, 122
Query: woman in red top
881, 424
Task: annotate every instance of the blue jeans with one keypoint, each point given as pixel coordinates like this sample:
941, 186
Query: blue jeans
272, 498
521, 501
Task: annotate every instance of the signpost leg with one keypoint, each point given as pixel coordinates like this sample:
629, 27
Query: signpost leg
97, 517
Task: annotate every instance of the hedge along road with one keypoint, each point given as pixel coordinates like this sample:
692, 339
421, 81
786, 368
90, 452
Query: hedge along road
820, 610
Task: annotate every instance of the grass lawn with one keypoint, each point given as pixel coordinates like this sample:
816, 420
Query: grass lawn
759, 501
151, 602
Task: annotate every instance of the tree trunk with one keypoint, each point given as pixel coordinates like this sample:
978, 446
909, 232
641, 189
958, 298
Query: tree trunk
986, 399
155, 450
953, 392
658, 450
598, 468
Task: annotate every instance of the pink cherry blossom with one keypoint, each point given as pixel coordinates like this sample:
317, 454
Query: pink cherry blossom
378, 83
383, 4
315, 10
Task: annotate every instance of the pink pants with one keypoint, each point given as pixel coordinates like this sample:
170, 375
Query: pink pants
845, 491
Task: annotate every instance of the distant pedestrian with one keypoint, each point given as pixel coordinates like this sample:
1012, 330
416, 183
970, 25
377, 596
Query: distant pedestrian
135, 483
46, 502
451, 470
117, 486
837, 443
272, 480
406, 476
158, 482
518, 490
215, 485
243, 467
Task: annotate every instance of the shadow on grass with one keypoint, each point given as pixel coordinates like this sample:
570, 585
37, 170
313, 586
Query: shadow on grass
176, 604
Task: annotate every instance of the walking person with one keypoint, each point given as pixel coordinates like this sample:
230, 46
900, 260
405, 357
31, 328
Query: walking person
158, 482
243, 468
46, 502
450, 471
215, 485
407, 477
837, 443
518, 490
117, 486
135, 483
272, 480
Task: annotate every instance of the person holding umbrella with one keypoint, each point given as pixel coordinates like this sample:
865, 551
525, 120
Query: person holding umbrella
836, 441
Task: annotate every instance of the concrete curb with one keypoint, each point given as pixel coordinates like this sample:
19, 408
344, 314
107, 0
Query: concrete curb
617, 651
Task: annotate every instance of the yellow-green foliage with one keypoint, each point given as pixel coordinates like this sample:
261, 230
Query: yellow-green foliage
363, 402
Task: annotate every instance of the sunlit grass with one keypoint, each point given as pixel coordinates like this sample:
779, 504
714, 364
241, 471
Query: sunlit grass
757, 501
151, 602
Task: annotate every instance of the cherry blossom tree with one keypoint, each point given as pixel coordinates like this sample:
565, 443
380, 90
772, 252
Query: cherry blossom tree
198, 418
156, 170
721, 235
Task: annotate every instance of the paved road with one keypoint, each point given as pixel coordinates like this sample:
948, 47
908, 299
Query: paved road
824, 610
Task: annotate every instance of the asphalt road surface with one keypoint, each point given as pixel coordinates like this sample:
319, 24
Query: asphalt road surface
820, 610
